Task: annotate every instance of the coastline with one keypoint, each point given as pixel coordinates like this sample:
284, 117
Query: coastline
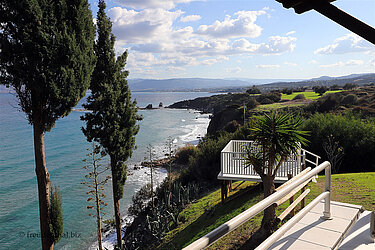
108, 231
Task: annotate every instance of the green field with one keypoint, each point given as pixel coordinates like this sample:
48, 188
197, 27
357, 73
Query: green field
308, 95
208, 213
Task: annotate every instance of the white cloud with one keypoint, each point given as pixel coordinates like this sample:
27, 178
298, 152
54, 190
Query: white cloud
290, 64
191, 18
290, 33
143, 4
242, 26
215, 60
268, 66
313, 62
349, 43
132, 26
372, 62
342, 64
233, 70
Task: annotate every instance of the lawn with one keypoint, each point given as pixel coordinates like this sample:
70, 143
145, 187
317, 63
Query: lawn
208, 213
308, 95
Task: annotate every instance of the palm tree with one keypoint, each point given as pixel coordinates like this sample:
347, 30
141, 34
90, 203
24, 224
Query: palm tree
276, 136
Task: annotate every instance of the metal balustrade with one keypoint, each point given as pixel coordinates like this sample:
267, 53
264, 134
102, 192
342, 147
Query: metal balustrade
237, 221
233, 161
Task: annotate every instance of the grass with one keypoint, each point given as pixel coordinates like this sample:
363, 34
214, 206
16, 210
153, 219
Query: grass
308, 95
208, 213
358, 188
276, 105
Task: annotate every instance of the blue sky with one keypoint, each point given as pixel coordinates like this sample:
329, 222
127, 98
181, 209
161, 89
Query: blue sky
237, 39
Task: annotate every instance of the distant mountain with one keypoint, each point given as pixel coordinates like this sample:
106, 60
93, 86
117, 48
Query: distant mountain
239, 84
255, 81
358, 79
183, 84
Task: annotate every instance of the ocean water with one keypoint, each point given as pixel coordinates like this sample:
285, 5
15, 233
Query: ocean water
66, 147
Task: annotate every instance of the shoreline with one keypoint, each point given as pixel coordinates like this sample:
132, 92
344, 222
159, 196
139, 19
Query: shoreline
109, 231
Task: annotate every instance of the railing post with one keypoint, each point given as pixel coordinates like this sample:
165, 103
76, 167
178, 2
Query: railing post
327, 200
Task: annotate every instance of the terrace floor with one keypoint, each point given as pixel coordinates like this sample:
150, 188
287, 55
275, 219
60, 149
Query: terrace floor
313, 232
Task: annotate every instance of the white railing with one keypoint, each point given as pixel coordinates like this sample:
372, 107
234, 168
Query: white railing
232, 224
234, 153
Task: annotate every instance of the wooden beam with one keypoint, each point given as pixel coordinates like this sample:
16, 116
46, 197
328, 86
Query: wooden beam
293, 205
294, 178
293, 192
346, 20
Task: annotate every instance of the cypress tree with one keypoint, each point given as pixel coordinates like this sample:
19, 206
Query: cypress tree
112, 122
47, 57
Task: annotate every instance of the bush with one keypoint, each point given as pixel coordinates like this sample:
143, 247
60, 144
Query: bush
252, 103
356, 136
253, 90
299, 97
287, 91
273, 97
320, 89
205, 165
349, 100
266, 101
56, 217
349, 86
183, 154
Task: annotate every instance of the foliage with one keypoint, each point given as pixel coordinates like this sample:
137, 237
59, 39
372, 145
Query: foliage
275, 137
355, 136
349, 86
253, 90
206, 163
112, 122
183, 154
299, 97
349, 100
47, 57
287, 91
268, 98
152, 224
320, 89
56, 225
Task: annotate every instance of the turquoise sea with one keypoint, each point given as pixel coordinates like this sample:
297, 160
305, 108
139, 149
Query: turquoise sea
66, 147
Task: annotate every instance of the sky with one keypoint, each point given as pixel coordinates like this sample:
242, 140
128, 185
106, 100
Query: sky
237, 39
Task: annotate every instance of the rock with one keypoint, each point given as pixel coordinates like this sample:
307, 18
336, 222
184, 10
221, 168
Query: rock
160, 105
149, 106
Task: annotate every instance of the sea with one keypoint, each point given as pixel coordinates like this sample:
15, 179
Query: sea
65, 148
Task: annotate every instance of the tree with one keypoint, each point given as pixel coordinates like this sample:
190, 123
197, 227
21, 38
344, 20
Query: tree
253, 90
96, 184
349, 86
112, 122
276, 136
320, 89
47, 57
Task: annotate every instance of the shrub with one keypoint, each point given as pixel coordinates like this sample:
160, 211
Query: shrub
231, 126
287, 91
56, 217
205, 165
349, 100
357, 137
253, 90
349, 86
273, 96
183, 154
252, 103
320, 89
266, 101
299, 97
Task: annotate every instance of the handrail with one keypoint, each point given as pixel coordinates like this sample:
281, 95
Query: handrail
259, 207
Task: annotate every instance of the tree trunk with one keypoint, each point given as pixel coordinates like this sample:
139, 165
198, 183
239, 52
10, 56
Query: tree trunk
98, 218
116, 205
43, 184
269, 221
118, 223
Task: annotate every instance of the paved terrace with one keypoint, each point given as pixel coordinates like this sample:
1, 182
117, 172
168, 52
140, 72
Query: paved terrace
314, 232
